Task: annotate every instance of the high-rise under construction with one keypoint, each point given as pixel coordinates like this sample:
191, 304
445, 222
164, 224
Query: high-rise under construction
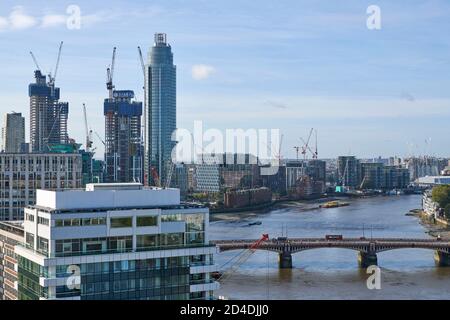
48, 116
123, 147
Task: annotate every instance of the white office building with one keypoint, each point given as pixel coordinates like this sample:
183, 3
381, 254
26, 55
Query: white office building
115, 241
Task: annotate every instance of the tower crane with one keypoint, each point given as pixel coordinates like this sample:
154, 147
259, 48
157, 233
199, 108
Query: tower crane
53, 78
314, 153
297, 150
88, 132
100, 138
142, 60
35, 61
241, 258
110, 75
306, 143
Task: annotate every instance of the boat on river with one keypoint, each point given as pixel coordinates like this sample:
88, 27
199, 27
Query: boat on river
334, 204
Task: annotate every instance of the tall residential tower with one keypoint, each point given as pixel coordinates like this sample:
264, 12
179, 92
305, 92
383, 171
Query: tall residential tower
13, 132
160, 109
48, 116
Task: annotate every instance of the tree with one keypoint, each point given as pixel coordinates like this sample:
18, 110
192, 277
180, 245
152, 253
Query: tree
441, 195
447, 211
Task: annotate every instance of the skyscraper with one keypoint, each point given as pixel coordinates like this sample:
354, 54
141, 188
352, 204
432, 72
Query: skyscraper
160, 109
48, 116
13, 132
123, 153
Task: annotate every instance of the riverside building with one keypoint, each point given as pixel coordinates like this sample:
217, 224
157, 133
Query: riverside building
115, 241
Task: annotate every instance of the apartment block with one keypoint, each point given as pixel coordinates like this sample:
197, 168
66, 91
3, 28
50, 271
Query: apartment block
21, 174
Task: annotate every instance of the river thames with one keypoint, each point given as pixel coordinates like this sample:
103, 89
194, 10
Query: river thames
333, 273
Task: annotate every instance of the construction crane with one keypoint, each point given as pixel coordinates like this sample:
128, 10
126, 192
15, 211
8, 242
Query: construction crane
110, 75
241, 258
315, 153
100, 138
35, 61
362, 183
88, 132
142, 60
53, 78
306, 144
297, 150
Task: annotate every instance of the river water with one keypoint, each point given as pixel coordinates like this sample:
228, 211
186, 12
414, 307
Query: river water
331, 273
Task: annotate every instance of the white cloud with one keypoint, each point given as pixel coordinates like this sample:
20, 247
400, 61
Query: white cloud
19, 20
202, 71
3, 23
53, 20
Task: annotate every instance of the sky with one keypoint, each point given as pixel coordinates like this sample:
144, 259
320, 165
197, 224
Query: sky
290, 65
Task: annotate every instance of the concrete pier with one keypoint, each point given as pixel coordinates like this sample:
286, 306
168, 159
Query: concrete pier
366, 260
442, 259
285, 260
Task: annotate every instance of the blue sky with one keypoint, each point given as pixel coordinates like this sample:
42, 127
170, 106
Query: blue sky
290, 65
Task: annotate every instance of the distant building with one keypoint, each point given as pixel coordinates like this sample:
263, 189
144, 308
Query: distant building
48, 116
395, 177
348, 171
430, 207
433, 180
275, 182
371, 176
227, 171
11, 234
123, 150
294, 171
160, 116
207, 175
13, 132
425, 166
180, 179
126, 242
22, 173
317, 169
247, 197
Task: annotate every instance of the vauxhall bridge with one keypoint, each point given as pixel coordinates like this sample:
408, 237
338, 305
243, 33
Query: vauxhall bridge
367, 248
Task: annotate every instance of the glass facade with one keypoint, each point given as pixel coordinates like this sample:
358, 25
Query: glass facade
146, 279
160, 113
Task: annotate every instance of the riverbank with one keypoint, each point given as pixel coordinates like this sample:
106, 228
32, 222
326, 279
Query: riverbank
301, 205
248, 213
434, 228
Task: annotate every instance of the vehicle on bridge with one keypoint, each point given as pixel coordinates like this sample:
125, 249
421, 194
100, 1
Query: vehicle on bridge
334, 237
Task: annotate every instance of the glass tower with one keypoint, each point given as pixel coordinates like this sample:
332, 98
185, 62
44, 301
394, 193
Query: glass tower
160, 110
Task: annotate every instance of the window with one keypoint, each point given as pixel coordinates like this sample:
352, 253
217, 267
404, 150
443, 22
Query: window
172, 239
42, 245
124, 222
29, 240
147, 221
43, 221
171, 217
146, 241
93, 221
